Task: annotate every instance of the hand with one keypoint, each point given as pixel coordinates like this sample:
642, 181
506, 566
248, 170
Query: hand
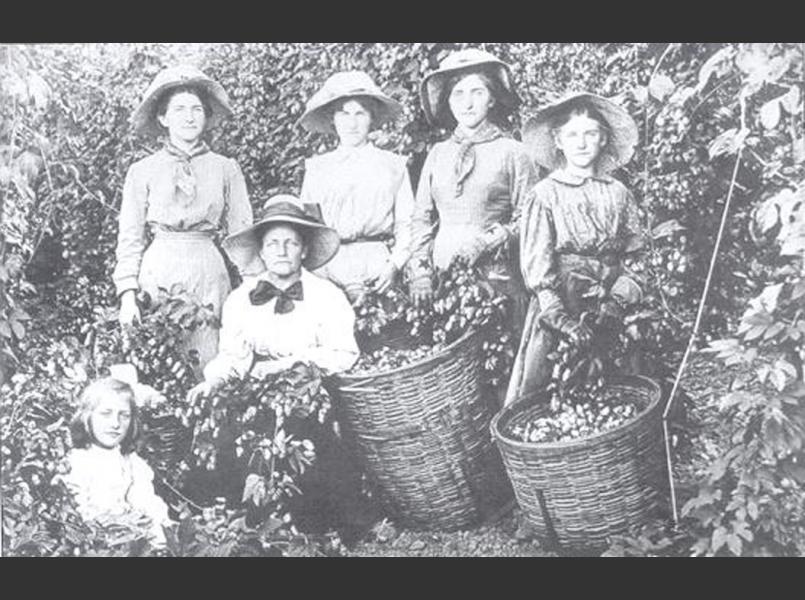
578, 334
609, 313
129, 311
203, 389
385, 279
472, 250
422, 291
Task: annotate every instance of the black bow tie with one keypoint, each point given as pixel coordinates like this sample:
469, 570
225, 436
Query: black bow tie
265, 291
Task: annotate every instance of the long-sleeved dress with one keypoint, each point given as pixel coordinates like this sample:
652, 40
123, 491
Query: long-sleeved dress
455, 206
365, 195
184, 201
575, 234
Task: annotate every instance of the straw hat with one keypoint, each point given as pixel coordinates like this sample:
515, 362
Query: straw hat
144, 117
322, 242
464, 61
346, 84
623, 138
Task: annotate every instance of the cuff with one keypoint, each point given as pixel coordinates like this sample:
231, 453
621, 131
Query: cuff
125, 284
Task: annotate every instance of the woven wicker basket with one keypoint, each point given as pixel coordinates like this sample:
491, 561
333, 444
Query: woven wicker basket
580, 492
422, 435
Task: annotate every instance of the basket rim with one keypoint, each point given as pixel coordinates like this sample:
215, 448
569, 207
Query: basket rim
585, 441
435, 357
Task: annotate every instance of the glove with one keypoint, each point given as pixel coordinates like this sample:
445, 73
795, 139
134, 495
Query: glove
558, 320
421, 290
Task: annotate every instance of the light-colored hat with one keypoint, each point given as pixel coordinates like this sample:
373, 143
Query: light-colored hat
144, 119
346, 84
322, 242
623, 138
469, 60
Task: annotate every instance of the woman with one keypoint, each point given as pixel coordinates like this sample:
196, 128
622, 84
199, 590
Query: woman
577, 227
364, 193
184, 195
472, 184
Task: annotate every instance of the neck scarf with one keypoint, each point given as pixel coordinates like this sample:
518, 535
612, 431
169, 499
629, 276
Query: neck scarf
183, 176
465, 161
265, 291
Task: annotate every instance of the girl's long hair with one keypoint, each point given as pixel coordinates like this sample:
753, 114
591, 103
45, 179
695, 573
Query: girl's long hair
81, 426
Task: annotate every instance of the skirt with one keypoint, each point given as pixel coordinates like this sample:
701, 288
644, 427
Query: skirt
190, 259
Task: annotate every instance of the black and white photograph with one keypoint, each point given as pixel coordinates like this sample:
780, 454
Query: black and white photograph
402, 299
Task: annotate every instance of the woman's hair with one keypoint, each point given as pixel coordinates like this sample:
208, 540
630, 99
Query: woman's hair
81, 426
198, 92
579, 107
371, 105
498, 112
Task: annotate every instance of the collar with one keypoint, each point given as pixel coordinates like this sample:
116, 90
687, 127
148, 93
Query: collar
563, 176
487, 133
250, 281
200, 148
342, 154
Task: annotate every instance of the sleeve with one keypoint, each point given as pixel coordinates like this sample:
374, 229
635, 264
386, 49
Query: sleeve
235, 347
424, 221
537, 245
239, 210
336, 349
403, 216
131, 233
307, 194
627, 288
142, 496
522, 179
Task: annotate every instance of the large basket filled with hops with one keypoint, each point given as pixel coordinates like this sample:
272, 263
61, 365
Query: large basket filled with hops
418, 418
587, 471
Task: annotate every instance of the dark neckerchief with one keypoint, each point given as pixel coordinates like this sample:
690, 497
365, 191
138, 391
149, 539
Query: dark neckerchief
465, 161
265, 291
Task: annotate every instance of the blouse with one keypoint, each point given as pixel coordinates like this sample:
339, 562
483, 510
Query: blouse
319, 329
566, 214
152, 197
492, 193
364, 193
107, 483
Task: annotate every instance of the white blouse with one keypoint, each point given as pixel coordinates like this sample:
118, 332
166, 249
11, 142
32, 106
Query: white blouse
320, 329
108, 484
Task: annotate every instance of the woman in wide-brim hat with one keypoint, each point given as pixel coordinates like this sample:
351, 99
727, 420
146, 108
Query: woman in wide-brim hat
472, 184
578, 226
185, 196
364, 192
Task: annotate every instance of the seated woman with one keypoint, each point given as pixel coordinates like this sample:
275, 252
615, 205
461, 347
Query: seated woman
111, 484
282, 314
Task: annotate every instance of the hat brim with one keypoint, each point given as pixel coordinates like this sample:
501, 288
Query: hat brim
319, 118
430, 91
243, 247
538, 137
144, 118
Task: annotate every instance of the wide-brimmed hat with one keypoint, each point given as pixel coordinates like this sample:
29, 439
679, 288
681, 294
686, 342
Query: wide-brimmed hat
322, 242
346, 84
143, 119
623, 134
469, 60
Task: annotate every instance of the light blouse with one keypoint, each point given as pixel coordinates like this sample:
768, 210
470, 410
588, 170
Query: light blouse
492, 193
320, 329
565, 214
364, 193
152, 199
107, 484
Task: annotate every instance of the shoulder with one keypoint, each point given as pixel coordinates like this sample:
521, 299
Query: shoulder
139, 467
79, 459
242, 291
147, 164
388, 156
322, 289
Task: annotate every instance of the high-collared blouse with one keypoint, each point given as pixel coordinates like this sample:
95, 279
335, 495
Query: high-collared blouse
150, 200
107, 483
492, 193
364, 193
320, 329
566, 214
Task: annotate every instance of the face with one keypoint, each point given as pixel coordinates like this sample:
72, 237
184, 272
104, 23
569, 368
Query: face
184, 117
282, 250
110, 420
352, 123
581, 140
470, 101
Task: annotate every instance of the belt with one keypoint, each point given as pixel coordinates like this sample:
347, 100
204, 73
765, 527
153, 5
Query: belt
374, 238
161, 232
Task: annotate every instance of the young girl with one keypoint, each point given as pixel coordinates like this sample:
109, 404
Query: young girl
576, 228
110, 482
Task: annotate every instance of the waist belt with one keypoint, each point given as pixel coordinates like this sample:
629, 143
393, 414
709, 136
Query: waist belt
374, 238
609, 259
160, 232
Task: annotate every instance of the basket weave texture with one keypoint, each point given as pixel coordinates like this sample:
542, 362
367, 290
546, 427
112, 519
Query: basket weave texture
581, 492
422, 434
